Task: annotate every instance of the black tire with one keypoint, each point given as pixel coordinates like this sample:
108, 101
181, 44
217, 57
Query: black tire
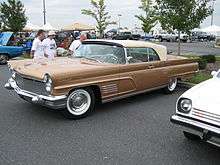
176, 39
171, 87
191, 136
160, 39
87, 93
3, 59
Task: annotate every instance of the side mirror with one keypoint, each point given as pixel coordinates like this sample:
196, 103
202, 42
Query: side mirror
213, 73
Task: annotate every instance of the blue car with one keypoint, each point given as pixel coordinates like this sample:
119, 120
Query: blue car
7, 48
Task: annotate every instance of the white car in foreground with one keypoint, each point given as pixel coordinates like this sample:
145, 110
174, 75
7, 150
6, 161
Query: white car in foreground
198, 111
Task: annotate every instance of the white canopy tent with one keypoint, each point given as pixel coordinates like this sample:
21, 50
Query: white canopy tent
78, 27
31, 27
215, 30
48, 27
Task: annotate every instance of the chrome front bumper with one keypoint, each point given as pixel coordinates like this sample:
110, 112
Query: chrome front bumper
208, 132
54, 102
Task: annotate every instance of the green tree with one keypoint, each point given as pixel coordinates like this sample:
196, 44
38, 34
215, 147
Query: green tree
98, 12
149, 18
13, 15
183, 15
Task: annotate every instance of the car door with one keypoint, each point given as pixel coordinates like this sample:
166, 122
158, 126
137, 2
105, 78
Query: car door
144, 70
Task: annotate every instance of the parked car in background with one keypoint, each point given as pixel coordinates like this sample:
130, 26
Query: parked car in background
109, 34
147, 37
100, 71
171, 37
126, 36
197, 111
211, 37
9, 48
183, 37
199, 36
164, 36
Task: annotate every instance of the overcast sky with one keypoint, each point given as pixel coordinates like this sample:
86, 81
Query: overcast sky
64, 12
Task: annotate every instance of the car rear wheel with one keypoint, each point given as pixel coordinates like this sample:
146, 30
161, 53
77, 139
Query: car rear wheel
171, 86
160, 39
80, 103
3, 59
191, 136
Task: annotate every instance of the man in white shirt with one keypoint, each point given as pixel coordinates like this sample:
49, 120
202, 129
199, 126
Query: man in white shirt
76, 44
50, 45
37, 50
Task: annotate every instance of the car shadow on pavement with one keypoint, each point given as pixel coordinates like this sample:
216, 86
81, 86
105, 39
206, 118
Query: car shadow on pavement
135, 100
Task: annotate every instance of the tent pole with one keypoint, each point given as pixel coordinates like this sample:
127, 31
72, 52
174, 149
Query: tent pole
44, 11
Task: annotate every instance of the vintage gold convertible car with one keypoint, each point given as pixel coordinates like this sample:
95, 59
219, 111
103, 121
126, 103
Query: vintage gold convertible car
100, 71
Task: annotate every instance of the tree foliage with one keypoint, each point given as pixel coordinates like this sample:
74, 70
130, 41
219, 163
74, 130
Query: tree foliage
12, 15
182, 15
98, 12
149, 18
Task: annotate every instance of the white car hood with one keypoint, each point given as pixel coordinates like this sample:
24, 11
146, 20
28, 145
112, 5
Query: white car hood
206, 96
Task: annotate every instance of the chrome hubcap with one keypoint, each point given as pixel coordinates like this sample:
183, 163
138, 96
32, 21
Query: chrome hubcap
3, 58
78, 102
172, 84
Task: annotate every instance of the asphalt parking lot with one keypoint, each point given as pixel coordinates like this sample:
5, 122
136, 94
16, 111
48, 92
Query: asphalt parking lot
132, 131
194, 48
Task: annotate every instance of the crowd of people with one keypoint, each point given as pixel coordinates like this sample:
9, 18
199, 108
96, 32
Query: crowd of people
44, 45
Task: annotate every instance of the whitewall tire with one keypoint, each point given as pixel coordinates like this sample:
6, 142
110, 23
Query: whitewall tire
80, 103
171, 87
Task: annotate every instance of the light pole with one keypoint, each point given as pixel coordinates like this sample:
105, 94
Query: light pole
44, 11
119, 22
213, 8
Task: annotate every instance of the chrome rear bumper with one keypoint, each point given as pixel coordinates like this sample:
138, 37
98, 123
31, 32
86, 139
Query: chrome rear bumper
54, 102
208, 132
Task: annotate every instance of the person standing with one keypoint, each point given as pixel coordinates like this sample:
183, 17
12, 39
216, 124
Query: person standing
37, 50
50, 46
76, 44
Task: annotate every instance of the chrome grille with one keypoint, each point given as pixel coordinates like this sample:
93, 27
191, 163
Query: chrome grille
207, 116
30, 85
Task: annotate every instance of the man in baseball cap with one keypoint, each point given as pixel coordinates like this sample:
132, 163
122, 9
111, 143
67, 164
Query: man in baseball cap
50, 45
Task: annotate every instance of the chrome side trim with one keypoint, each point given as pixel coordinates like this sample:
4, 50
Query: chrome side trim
132, 94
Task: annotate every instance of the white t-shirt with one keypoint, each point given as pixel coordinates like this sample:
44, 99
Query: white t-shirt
38, 47
50, 47
75, 45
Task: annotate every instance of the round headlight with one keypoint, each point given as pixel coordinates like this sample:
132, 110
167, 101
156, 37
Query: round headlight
46, 77
185, 105
48, 88
48, 83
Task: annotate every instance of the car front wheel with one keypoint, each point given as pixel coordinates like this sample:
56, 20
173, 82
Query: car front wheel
3, 59
171, 86
80, 103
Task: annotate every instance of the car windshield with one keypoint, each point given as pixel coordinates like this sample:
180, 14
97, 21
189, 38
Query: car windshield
101, 53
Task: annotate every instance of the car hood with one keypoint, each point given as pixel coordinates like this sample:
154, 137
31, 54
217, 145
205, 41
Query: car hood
205, 96
4, 38
59, 68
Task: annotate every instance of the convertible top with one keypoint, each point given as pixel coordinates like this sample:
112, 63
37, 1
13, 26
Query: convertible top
160, 49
